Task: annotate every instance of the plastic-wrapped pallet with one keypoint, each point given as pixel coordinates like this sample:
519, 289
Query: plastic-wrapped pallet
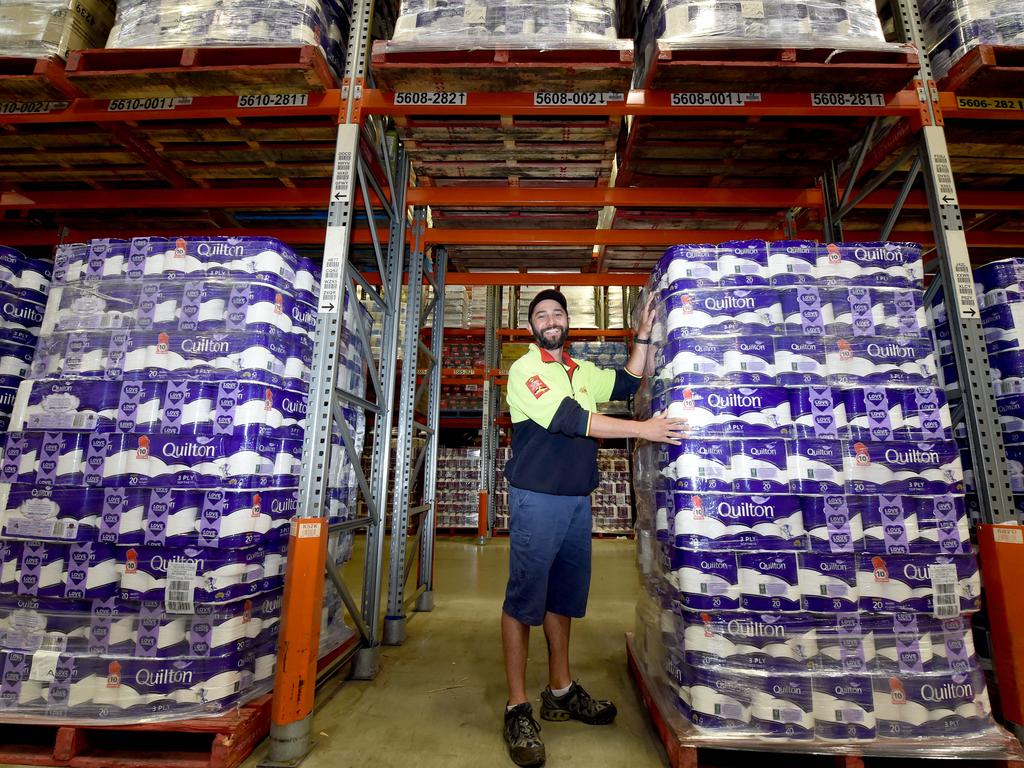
45, 27
580, 302
843, 24
24, 284
999, 287
806, 549
954, 27
174, 24
148, 480
488, 23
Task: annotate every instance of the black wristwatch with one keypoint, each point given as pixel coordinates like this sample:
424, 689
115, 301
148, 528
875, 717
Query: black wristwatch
641, 341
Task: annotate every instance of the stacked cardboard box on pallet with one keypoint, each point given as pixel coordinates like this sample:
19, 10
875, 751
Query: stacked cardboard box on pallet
54, 27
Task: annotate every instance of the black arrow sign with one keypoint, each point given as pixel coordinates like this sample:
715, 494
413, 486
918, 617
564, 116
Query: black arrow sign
338, 195
948, 200
327, 307
971, 311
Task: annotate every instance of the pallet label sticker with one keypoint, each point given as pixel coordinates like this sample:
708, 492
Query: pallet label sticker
32, 107
976, 102
1008, 535
152, 104
430, 99
689, 99
259, 100
575, 98
181, 586
847, 99
944, 587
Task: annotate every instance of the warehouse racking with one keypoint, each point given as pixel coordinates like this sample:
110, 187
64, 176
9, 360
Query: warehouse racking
137, 158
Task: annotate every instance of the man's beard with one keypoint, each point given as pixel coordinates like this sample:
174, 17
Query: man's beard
546, 342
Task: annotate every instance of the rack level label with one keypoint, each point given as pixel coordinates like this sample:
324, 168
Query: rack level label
259, 100
151, 104
1008, 535
575, 98
430, 99
32, 107
847, 99
689, 99
974, 102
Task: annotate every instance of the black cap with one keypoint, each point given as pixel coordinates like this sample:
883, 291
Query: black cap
548, 294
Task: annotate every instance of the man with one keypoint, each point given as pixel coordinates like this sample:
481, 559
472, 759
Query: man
553, 402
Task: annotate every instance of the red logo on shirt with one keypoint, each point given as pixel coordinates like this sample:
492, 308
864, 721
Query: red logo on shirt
537, 386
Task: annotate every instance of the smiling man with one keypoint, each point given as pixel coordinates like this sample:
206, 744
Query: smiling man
553, 470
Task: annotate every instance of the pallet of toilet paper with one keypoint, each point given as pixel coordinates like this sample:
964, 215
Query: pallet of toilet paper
24, 285
455, 24
952, 28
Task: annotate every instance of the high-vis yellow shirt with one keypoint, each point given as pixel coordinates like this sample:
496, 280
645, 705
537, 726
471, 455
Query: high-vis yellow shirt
551, 402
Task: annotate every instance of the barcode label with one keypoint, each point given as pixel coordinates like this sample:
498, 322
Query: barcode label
54, 643
849, 716
181, 587
944, 591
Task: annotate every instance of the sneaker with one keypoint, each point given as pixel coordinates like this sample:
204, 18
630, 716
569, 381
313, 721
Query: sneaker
522, 734
576, 704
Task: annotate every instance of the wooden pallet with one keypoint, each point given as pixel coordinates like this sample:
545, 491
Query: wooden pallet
202, 742
34, 79
687, 748
987, 70
163, 72
674, 68
503, 70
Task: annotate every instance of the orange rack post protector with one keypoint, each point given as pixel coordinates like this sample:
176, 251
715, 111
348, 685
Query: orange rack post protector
1002, 569
297, 650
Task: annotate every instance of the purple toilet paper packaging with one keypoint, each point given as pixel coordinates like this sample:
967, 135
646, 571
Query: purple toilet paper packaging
1008, 372
875, 413
694, 361
845, 644
739, 522
44, 458
806, 311
724, 312
706, 580
1004, 276
926, 414
834, 523
942, 585
717, 698
1011, 414
828, 582
79, 571
766, 642
844, 708
793, 262
743, 263
943, 525
750, 360
936, 706
24, 277
903, 468
20, 320
890, 524
685, 267
817, 412
732, 411
896, 265
703, 465
760, 466
769, 581
880, 361
860, 310
953, 648
816, 466
1003, 325
15, 360
800, 360
782, 706
903, 642
185, 577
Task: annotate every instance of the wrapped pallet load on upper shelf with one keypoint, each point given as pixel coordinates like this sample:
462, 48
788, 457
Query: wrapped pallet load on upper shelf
805, 551
53, 27
149, 476
1000, 290
460, 24
952, 28
206, 23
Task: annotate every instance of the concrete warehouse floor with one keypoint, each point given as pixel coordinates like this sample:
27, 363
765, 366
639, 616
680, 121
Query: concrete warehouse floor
439, 697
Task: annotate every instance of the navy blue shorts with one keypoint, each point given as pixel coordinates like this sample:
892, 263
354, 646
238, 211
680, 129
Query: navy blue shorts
549, 557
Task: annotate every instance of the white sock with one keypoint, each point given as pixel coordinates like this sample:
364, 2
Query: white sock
510, 707
562, 691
